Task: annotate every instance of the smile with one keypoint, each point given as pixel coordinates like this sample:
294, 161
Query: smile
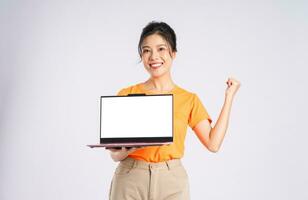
156, 65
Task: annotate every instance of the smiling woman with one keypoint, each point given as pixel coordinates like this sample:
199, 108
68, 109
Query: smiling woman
157, 56
157, 48
156, 172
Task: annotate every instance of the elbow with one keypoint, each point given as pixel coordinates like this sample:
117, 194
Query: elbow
213, 149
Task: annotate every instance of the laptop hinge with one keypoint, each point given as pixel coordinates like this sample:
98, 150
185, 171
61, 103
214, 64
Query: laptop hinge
136, 94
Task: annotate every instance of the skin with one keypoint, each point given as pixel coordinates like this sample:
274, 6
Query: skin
156, 51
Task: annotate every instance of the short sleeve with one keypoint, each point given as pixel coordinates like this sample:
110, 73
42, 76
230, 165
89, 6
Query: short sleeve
198, 112
123, 92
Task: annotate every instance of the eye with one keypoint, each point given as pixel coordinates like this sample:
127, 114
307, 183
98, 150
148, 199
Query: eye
145, 51
161, 49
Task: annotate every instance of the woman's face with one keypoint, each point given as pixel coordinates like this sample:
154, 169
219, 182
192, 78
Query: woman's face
157, 55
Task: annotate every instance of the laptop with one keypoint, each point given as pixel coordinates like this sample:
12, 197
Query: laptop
135, 120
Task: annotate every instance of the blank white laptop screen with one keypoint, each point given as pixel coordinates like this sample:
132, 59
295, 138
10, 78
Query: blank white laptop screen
145, 116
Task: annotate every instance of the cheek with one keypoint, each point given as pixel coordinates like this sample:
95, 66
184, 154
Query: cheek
144, 60
167, 59
166, 56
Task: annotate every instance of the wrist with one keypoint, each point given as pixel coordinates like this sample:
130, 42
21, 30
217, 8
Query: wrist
229, 98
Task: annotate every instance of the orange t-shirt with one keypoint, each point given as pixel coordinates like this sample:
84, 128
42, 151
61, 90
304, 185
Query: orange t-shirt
188, 110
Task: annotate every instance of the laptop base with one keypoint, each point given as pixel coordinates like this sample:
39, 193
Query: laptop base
120, 145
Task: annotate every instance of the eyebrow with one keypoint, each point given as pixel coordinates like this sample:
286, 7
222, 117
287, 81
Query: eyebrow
156, 45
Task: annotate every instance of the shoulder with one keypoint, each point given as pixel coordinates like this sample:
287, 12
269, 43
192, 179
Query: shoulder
188, 96
185, 92
129, 89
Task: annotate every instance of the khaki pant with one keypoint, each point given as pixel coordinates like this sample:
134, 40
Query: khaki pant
140, 180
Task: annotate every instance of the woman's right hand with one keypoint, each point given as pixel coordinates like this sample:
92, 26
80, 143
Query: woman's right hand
118, 154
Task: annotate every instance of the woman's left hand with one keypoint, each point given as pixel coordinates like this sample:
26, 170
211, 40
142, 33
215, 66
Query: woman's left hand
233, 86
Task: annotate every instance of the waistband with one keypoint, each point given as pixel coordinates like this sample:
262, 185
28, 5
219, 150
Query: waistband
133, 163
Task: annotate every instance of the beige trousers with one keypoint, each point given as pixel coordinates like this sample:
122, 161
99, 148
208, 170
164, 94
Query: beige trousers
140, 180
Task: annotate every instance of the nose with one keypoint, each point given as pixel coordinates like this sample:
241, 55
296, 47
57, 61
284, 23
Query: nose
154, 55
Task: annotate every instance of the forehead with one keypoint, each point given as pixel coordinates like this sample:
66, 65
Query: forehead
154, 40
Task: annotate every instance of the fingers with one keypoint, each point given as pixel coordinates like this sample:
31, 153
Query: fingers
131, 150
229, 83
135, 148
113, 149
127, 149
233, 82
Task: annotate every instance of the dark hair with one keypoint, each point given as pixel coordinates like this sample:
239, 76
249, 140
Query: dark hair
160, 28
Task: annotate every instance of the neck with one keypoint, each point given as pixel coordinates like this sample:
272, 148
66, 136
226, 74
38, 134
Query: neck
163, 83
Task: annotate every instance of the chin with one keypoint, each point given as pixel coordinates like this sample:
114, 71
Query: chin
157, 75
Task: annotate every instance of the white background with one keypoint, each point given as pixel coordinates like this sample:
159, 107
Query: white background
58, 57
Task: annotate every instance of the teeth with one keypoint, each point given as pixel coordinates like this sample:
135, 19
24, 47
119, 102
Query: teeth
156, 65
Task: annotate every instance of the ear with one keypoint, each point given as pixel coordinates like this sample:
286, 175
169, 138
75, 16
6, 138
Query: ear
173, 54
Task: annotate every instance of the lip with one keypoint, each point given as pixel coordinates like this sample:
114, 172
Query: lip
155, 65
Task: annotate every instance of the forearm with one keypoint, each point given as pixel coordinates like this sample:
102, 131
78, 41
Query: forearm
218, 132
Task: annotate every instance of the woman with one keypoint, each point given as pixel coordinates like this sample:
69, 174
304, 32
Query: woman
156, 172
